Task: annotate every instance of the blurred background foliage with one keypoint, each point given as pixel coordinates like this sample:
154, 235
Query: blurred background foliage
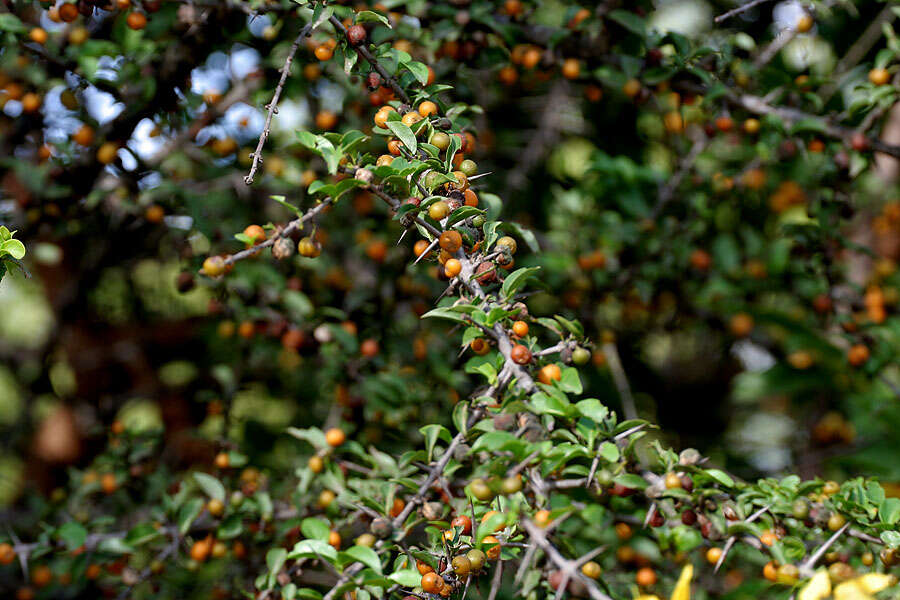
111, 325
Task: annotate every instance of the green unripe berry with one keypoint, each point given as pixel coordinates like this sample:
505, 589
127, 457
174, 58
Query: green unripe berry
476, 559
581, 356
481, 490
440, 140
468, 167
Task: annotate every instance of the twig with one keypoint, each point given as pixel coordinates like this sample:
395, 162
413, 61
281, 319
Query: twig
858, 50
667, 191
620, 380
781, 40
568, 567
273, 105
740, 9
290, 228
733, 538
810, 562
364, 52
495, 581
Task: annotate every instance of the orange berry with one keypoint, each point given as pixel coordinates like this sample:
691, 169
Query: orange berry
428, 108
542, 518
520, 328
549, 373
452, 267
645, 577
431, 582
38, 36
222, 460
7, 554
879, 76
369, 348
382, 115
857, 355
334, 540
324, 52
520, 354
41, 576
200, 549
450, 240
493, 553
68, 12
571, 68
255, 233
335, 437
84, 136
108, 483
136, 20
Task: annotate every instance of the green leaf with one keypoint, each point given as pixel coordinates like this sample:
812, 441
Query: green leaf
321, 13
686, 538
140, 534
368, 16
608, 451
629, 21
721, 477
516, 280
72, 534
545, 404
489, 526
631, 481
366, 556
313, 549
570, 382
231, 527
187, 513
419, 71
10, 22
313, 435
408, 578
889, 511
315, 529
593, 409
275, 559
445, 313
211, 486
432, 434
280, 200
461, 417
404, 134
14, 248
307, 139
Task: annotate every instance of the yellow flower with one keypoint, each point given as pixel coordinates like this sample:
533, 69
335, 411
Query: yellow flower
818, 588
861, 588
682, 589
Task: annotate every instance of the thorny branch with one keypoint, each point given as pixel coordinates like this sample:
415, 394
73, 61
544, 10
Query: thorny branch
273, 105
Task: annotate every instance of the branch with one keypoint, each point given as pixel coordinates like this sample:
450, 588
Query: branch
740, 9
620, 379
807, 566
290, 228
757, 105
568, 567
364, 52
273, 105
859, 49
667, 191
